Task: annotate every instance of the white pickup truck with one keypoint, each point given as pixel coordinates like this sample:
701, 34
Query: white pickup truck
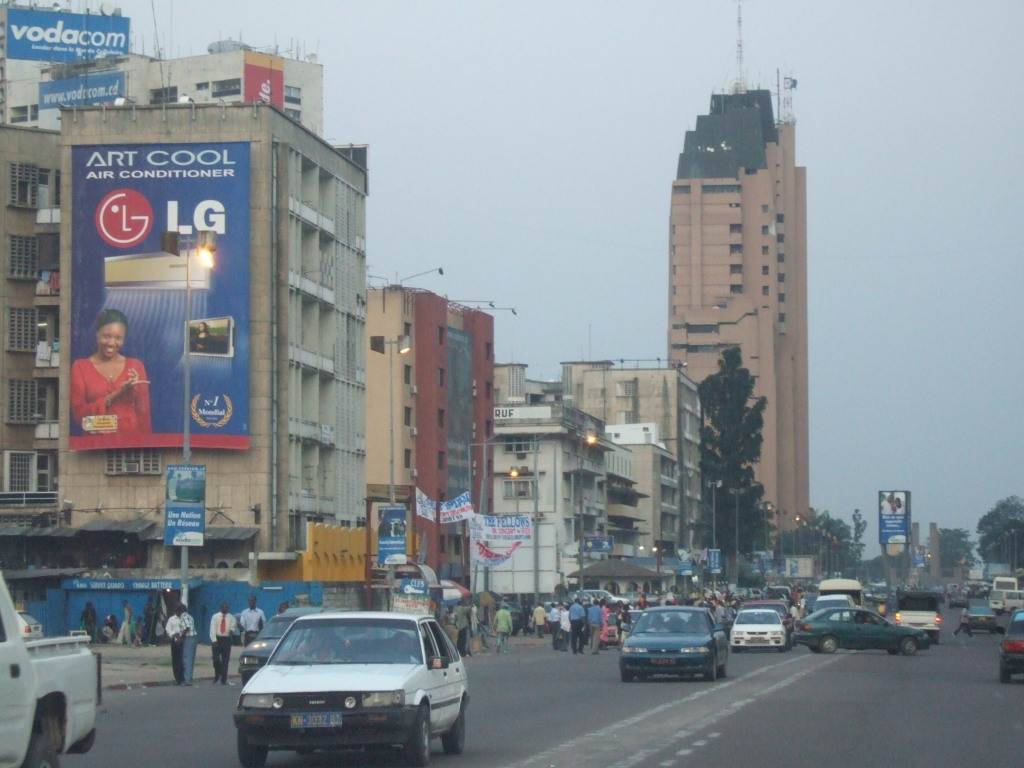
48, 694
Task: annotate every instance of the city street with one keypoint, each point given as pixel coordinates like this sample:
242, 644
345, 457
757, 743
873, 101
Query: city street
536, 709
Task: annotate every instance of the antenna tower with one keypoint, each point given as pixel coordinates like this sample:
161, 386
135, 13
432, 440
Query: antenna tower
740, 86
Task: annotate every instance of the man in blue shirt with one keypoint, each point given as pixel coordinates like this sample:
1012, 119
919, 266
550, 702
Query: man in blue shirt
595, 618
577, 621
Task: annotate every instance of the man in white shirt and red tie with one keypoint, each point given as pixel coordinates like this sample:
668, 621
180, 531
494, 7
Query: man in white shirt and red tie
222, 626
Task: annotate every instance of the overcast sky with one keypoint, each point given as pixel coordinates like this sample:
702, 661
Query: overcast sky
530, 147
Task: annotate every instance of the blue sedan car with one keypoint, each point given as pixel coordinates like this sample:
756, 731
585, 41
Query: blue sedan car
674, 640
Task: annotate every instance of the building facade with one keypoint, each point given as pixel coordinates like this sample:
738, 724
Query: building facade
738, 273
303, 456
440, 395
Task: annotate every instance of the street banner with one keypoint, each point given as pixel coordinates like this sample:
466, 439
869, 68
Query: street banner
185, 505
488, 557
129, 339
391, 527
426, 507
893, 517
456, 510
598, 544
715, 560
501, 528
62, 36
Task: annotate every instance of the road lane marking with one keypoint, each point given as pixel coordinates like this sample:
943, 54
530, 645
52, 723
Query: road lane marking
714, 735
575, 745
684, 752
700, 742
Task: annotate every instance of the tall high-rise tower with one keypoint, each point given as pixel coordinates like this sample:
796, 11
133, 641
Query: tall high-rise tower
738, 273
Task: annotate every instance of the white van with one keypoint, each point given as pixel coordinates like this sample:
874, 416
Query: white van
1003, 600
1005, 582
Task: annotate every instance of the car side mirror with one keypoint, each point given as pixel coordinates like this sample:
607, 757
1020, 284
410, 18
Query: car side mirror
438, 662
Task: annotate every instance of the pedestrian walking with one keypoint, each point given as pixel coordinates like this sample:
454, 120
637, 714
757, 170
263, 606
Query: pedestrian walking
190, 641
540, 618
462, 627
577, 625
175, 632
965, 622
282, 608
251, 620
564, 627
88, 621
125, 634
503, 626
595, 618
222, 626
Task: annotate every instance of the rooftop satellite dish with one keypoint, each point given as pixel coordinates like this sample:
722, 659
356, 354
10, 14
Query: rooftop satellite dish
107, 9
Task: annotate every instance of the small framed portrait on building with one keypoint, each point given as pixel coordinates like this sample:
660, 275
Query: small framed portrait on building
214, 336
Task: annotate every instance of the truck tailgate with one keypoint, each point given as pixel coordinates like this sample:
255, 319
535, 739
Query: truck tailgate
66, 665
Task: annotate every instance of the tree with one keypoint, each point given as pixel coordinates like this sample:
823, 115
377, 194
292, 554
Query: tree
730, 447
860, 525
1001, 531
955, 548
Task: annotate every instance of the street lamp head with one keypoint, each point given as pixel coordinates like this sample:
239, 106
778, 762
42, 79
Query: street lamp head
404, 344
206, 246
514, 472
591, 439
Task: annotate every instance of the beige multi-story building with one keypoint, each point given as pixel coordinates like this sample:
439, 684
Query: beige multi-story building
305, 453
664, 396
738, 273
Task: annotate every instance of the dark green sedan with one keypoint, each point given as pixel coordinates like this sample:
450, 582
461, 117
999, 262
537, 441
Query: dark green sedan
830, 629
674, 640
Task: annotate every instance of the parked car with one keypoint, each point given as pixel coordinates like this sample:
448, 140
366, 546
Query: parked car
339, 680
830, 629
28, 626
48, 693
256, 653
758, 628
1011, 650
981, 617
674, 640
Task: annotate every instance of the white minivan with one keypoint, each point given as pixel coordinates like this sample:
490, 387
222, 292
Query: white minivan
1002, 600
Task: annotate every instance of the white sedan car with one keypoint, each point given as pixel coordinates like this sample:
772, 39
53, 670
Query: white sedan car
758, 628
340, 680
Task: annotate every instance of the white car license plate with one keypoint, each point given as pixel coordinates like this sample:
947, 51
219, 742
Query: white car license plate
316, 720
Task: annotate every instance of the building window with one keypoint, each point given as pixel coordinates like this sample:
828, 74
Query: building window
764, 290
145, 461
780, 217
519, 445
781, 258
714, 189
736, 229
294, 114
406, 373
20, 471
735, 289
440, 418
21, 401
21, 329
488, 351
735, 269
49, 193
764, 208
440, 334
702, 348
292, 94
23, 257
735, 248
221, 88
167, 95
456, 544
782, 277
488, 428
24, 185
764, 229
518, 489
203, 86
19, 114
764, 250
764, 269
782, 317
782, 297
407, 329
626, 388
780, 238
487, 390
440, 377
682, 189
407, 458
440, 459
699, 328
407, 416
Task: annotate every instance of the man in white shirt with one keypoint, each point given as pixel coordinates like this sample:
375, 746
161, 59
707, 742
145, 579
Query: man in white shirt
564, 626
175, 632
251, 620
222, 626
189, 644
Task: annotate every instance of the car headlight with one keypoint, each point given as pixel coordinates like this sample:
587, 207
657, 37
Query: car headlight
633, 649
261, 701
694, 649
383, 698
248, 661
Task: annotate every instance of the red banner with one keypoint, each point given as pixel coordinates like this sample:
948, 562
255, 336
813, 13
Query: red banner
264, 79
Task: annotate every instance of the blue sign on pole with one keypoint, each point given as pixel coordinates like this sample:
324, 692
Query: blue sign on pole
715, 560
59, 36
413, 587
598, 544
95, 88
893, 517
391, 536
185, 505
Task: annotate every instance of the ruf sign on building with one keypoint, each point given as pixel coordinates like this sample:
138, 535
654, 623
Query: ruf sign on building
263, 79
128, 335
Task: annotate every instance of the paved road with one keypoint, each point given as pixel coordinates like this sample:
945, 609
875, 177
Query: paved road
537, 709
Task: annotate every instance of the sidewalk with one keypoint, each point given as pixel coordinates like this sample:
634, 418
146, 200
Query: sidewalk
125, 667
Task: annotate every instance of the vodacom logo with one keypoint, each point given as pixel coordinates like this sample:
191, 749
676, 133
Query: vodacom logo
124, 218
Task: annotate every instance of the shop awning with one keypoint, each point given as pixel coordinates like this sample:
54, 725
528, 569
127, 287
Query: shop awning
29, 531
138, 527
44, 573
214, 533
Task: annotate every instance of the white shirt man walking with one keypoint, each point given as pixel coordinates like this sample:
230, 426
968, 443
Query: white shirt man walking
251, 620
222, 626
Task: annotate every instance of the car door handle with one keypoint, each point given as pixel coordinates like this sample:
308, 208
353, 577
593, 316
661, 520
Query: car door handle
15, 670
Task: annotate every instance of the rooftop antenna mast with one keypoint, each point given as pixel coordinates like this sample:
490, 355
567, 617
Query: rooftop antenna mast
740, 86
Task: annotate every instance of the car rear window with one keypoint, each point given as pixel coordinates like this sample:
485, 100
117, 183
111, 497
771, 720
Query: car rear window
918, 603
1016, 627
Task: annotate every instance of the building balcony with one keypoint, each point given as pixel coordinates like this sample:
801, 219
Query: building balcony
47, 360
311, 288
311, 431
28, 499
311, 215
306, 359
48, 287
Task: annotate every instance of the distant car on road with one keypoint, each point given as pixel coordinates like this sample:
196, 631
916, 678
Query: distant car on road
780, 607
256, 653
1011, 650
981, 617
921, 611
758, 628
30, 628
830, 629
674, 640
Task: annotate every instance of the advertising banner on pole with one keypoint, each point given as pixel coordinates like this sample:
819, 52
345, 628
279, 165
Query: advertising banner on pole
486, 556
893, 517
426, 507
391, 528
715, 560
185, 505
128, 336
61, 36
598, 544
456, 510
501, 528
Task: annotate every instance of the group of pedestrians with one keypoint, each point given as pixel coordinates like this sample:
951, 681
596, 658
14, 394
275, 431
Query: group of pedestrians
470, 624
577, 626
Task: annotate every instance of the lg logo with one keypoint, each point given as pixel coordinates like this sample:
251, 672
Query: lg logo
124, 218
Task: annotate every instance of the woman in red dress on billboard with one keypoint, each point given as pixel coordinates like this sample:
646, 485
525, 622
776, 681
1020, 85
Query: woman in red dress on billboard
108, 383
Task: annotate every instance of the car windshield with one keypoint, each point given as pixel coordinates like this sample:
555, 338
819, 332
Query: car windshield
918, 603
758, 617
980, 610
779, 609
350, 641
276, 627
671, 622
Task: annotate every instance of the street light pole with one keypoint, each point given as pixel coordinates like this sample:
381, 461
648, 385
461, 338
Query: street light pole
736, 496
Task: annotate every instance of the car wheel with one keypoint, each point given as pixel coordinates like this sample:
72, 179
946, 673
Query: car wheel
626, 675
934, 637
455, 740
891, 651
250, 756
711, 673
41, 753
1004, 674
784, 648
417, 747
828, 644
908, 646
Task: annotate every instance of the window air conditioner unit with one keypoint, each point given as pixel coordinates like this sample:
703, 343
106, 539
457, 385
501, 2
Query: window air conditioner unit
131, 467
413, 431
520, 455
414, 473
